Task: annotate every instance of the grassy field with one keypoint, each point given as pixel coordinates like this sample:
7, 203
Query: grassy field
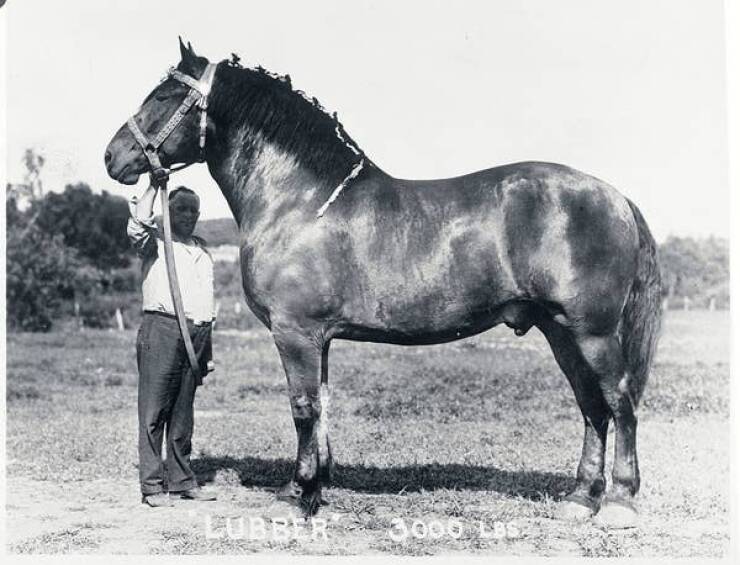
475, 433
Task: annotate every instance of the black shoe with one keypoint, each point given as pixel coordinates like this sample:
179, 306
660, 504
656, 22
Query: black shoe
196, 493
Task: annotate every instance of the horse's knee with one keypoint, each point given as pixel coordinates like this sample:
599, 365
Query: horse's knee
305, 409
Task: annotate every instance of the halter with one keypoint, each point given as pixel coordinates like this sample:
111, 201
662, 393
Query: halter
198, 95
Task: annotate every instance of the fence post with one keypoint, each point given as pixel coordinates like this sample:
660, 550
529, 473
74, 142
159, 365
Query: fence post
119, 320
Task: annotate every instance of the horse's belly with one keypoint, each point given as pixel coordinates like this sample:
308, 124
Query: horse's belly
449, 304
418, 332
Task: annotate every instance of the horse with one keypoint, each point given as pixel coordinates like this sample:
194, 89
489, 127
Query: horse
332, 247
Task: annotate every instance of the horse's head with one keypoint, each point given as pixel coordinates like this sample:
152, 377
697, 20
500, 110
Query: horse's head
126, 155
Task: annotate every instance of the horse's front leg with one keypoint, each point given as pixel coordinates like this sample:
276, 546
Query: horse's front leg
301, 352
326, 462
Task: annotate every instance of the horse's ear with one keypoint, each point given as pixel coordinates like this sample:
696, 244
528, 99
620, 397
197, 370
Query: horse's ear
187, 53
184, 53
189, 61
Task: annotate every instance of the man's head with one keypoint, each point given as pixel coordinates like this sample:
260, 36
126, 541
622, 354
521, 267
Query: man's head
184, 211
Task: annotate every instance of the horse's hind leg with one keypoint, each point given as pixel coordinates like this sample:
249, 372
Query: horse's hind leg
585, 499
604, 356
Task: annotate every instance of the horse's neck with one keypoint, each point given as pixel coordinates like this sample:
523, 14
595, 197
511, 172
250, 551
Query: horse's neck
262, 182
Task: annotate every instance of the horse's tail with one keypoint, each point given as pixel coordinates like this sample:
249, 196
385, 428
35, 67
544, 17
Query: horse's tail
642, 312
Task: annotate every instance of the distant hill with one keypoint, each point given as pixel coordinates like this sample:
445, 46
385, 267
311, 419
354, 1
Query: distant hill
218, 231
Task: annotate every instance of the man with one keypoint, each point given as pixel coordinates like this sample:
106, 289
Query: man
166, 383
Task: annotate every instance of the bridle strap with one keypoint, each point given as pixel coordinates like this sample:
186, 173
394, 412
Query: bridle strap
176, 118
150, 152
198, 94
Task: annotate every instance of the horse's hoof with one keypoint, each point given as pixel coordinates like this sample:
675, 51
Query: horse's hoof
573, 512
284, 510
575, 508
617, 514
294, 495
290, 492
310, 503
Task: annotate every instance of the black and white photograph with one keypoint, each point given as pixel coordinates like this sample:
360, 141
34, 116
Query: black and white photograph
368, 279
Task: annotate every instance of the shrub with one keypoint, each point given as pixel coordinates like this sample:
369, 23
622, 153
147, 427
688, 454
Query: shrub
40, 273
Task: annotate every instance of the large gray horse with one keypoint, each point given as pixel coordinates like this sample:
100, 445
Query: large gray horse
333, 247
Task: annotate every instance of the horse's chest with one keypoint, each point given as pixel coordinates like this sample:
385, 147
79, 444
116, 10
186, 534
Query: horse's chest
255, 284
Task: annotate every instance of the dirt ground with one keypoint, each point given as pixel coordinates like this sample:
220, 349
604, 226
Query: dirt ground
479, 473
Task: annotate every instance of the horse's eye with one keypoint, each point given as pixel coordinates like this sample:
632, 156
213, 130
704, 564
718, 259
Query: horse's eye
162, 96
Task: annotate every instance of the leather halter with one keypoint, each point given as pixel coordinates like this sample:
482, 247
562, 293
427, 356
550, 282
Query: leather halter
198, 95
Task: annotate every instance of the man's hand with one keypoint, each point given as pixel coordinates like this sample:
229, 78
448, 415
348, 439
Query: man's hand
155, 181
145, 204
159, 176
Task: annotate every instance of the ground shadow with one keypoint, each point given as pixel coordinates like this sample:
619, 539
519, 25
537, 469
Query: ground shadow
533, 485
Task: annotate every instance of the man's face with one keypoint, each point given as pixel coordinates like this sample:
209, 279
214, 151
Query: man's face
184, 212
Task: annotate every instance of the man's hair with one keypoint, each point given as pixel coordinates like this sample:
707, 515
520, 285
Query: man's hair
182, 190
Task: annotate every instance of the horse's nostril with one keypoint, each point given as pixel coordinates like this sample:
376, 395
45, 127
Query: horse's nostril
108, 157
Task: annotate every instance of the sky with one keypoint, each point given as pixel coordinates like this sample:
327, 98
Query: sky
632, 92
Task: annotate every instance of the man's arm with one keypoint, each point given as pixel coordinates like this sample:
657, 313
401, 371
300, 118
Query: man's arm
141, 229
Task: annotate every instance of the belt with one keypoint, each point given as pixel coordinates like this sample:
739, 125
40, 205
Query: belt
197, 323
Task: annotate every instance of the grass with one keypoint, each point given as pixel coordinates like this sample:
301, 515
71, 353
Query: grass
484, 430
74, 540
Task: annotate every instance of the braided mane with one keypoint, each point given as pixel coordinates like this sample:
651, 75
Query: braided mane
267, 104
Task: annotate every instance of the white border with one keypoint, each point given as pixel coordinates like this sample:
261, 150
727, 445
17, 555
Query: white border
732, 50
732, 61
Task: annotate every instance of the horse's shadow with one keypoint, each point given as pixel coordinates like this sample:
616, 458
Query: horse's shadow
273, 473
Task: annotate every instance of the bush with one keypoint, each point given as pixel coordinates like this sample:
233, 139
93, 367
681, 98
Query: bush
40, 274
93, 224
695, 268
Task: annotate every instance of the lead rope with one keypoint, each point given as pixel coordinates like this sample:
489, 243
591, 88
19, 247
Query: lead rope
169, 258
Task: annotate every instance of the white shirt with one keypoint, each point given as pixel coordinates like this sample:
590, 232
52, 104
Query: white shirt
194, 270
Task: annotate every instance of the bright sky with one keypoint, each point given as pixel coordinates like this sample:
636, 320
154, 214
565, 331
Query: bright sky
631, 91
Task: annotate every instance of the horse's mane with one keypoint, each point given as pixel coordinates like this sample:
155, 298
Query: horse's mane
299, 125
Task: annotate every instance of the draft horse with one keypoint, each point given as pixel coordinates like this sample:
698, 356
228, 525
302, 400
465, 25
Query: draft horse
332, 247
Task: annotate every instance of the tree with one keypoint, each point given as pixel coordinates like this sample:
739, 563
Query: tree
696, 268
40, 273
60, 247
34, 163
93, 224
31, 189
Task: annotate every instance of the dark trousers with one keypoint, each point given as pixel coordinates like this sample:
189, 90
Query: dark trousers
166, 393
